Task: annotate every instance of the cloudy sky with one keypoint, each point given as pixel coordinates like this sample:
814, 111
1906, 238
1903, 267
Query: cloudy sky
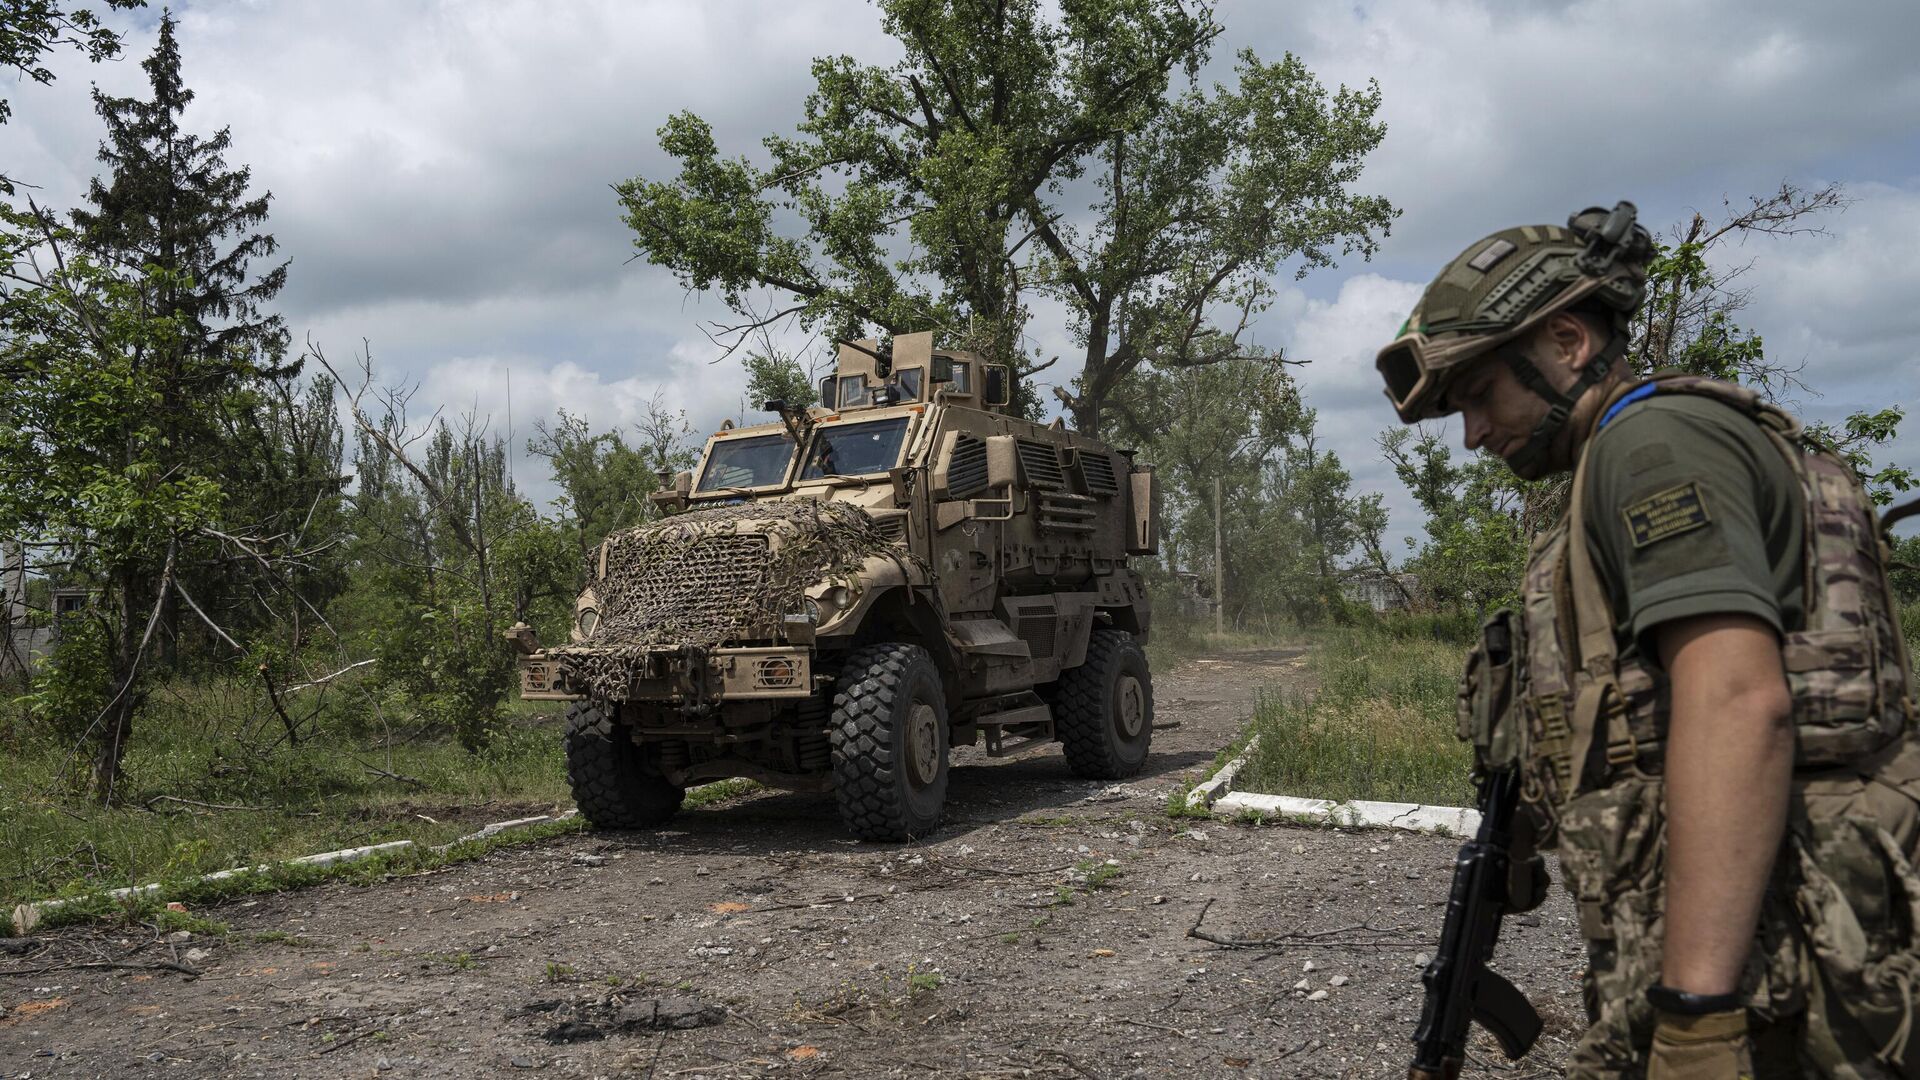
440, 173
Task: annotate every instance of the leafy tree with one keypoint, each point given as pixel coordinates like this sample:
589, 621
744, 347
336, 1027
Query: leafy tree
604, 481
1479, 518
938, 192
1288, 518
31, 29
773, 375
169, 200
94, 465
449, 556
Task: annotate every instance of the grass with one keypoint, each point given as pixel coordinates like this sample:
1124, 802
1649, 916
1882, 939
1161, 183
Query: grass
1377, 724
207, 788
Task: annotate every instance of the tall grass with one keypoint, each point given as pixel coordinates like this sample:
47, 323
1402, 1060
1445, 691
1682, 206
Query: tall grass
1376, 723
347, 783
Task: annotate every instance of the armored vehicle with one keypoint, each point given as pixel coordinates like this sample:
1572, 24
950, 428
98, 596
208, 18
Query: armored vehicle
834, 600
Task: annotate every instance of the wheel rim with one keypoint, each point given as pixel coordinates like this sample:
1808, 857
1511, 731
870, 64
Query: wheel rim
1130, 712
923, 744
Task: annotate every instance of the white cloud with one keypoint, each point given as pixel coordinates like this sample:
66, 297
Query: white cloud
440, 171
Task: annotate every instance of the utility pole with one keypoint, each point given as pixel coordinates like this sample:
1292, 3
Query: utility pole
1219, 566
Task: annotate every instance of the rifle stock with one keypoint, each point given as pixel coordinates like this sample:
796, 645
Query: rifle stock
1459, 987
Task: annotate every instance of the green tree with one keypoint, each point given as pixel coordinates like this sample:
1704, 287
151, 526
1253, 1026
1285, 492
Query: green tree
604, 480
32, 29
93, 465
775, 375
938, 192
168, 199
449, 555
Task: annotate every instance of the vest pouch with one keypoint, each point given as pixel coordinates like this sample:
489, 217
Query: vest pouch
1485, 713
1612, 859
1859, 901
1830, 674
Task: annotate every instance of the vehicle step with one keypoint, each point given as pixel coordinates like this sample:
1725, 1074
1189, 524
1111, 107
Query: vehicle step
1017, 731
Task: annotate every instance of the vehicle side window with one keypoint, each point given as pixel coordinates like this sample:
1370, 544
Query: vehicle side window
853, 391
962, 381
908, 381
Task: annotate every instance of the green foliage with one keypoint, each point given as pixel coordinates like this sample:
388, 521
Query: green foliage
604, 481
931, 194
1905, 573
1857, 434
449, 556
1380, 724
1478, 522
1289, 519
773, 375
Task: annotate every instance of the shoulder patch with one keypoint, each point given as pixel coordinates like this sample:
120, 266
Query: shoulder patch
1666, 513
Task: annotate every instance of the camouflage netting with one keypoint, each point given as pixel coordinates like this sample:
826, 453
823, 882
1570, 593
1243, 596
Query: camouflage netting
711, 577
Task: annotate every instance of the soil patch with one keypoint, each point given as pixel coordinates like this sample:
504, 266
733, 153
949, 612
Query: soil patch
1043, 932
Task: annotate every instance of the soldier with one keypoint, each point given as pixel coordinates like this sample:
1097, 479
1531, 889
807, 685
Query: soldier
1709, 702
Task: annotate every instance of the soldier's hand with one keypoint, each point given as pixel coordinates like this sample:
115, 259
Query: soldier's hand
1527, 884
1712, 1046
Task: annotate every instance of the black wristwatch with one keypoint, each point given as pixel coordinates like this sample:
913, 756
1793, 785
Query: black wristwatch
1682, 1003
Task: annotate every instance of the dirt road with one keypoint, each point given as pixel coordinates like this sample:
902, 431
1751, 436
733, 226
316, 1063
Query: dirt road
1041, 933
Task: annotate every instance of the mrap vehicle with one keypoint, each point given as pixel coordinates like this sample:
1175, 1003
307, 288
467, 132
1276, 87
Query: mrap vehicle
835, 600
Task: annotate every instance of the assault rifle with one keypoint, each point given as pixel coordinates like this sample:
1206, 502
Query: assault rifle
1460, 988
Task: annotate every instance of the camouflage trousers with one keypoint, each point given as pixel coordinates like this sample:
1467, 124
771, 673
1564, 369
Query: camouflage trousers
1835, 969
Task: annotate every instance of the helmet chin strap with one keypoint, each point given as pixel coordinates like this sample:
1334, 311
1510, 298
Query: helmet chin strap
1532, 459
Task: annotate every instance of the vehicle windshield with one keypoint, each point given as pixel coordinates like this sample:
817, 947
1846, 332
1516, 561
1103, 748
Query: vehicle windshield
855, 449
753, 462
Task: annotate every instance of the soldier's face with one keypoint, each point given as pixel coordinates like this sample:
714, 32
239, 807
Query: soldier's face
1497, 411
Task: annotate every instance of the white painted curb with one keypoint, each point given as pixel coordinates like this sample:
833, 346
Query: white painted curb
1357, 813
1204, 795
28, 916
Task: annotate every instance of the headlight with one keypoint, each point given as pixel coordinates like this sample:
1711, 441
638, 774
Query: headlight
811, 609
838, 596
588, 619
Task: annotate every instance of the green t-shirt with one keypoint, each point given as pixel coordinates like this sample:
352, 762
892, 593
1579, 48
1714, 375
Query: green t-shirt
1692, 511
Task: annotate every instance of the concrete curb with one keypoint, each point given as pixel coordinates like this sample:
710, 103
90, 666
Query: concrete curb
28, 916
1203, 796
1356, 814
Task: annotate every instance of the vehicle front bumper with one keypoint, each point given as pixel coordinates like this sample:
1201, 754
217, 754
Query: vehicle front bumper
687, 676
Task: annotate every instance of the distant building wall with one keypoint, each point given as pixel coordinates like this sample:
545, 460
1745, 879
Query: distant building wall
1381, 592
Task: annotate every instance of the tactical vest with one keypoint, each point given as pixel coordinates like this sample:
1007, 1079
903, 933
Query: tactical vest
1585, 715
1548, 692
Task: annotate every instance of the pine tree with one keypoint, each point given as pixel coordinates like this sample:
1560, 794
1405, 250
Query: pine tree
169, 200
154, 392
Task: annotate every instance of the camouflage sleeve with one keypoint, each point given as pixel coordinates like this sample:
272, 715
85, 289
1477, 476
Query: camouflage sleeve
1677, 504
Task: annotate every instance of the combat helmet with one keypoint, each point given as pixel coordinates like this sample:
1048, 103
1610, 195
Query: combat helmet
1502, 287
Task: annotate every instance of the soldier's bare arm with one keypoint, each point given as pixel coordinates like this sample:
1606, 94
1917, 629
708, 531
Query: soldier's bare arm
1729, 765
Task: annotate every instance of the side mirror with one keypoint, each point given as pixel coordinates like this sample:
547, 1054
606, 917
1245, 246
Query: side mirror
995, 386
826, 393
672, 500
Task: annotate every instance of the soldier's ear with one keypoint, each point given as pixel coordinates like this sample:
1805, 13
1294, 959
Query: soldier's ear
1569, 339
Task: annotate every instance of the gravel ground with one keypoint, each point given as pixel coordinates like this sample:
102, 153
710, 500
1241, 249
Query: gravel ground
1043, 932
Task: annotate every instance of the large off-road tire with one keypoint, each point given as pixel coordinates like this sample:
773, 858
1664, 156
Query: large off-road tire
889, 736
611, 783
1103, 709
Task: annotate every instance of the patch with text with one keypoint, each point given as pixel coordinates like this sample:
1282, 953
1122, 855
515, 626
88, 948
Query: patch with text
1667, 513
